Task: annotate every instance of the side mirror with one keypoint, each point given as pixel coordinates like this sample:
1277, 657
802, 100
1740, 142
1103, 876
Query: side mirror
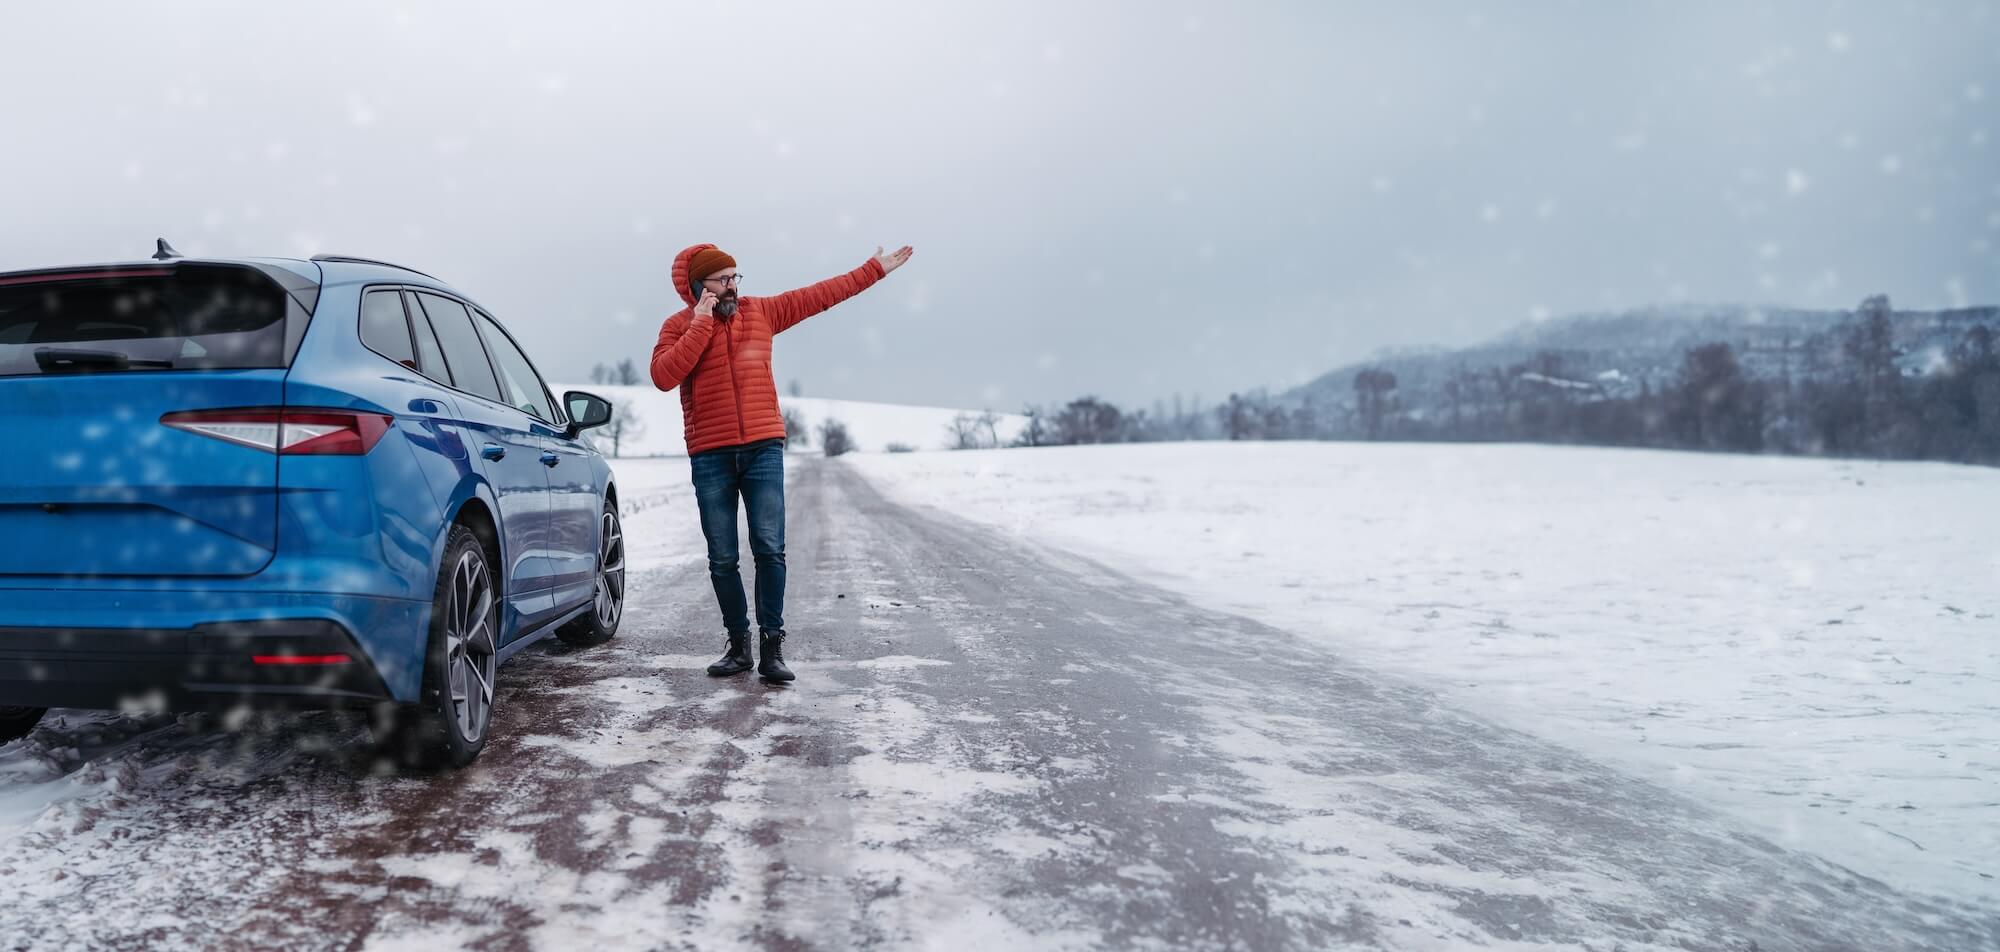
586, 410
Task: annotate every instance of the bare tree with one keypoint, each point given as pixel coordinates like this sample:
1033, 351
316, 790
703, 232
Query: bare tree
1372, 388
833, 438
797, 434
1871, 349
989, 423
1461, 389
1239, 417
1137, 427
627, 374
1714, 406
625, 424
963, 432
1036, 433
1088, 420
600, 374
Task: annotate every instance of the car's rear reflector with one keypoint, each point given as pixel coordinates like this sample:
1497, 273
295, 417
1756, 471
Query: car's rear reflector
288, 431
299, 659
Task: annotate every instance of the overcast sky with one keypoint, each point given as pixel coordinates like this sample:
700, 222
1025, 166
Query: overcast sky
1127, 199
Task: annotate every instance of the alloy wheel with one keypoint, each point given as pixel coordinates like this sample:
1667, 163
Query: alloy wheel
611, 573
470, 647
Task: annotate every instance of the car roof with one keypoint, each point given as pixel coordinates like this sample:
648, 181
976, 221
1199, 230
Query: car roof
345, 269
319, 270
324, 267
305, 269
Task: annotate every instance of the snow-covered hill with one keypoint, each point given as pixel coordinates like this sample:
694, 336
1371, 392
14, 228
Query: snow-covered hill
872, 426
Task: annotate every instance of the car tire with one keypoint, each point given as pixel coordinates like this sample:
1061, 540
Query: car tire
600, 621
449, 724
16, 722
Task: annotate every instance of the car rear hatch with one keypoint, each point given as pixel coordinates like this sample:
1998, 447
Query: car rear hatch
129, 400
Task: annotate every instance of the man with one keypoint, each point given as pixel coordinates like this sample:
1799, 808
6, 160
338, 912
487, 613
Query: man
718, 351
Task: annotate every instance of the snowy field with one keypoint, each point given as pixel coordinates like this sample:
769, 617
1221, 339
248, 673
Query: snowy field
1809, 644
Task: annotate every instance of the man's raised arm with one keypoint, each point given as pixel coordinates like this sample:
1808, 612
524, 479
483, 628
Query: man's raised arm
792, 307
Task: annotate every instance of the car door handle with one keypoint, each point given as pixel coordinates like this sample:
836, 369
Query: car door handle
421, 405
550, 459
493, 452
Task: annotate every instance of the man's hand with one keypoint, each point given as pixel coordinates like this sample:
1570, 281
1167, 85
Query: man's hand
893, 259
706, 306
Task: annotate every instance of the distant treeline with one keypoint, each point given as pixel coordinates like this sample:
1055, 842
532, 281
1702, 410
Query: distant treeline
1849, 396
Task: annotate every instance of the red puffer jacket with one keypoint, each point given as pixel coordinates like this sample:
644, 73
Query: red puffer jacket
728, 396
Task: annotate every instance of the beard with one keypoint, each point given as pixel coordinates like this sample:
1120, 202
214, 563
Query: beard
725, 305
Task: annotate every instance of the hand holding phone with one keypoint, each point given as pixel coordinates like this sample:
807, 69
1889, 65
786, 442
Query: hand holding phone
706, 306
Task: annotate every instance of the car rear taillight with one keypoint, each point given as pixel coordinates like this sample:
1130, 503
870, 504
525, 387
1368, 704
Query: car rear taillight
288, 431
87, 274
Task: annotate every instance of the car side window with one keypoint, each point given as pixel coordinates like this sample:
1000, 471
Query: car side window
384, 329
524, 386
469, 370
430, 356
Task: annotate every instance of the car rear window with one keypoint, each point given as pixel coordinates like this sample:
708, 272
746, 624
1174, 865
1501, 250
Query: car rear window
384, 329
175, 317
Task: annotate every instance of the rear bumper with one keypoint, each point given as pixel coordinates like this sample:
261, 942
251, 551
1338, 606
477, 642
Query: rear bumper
194, 648
207, 666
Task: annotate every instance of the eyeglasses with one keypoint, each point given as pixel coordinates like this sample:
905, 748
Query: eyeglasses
725, 279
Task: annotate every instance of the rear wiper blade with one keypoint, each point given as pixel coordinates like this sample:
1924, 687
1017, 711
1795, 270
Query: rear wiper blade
71, 360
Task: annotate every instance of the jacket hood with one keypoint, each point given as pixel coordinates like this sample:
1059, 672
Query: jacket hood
680, 272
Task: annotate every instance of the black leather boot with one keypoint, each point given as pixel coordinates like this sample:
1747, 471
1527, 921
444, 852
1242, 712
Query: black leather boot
736, 660
771, 655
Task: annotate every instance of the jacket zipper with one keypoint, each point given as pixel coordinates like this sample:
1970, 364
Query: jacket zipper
729, 333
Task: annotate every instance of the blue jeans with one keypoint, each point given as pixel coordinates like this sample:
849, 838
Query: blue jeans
758, 476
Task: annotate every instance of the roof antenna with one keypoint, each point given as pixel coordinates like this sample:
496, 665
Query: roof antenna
165, 251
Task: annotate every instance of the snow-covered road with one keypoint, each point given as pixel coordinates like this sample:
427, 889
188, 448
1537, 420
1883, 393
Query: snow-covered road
992, 746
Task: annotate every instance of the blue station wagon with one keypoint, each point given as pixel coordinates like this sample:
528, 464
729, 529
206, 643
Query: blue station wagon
277, 482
